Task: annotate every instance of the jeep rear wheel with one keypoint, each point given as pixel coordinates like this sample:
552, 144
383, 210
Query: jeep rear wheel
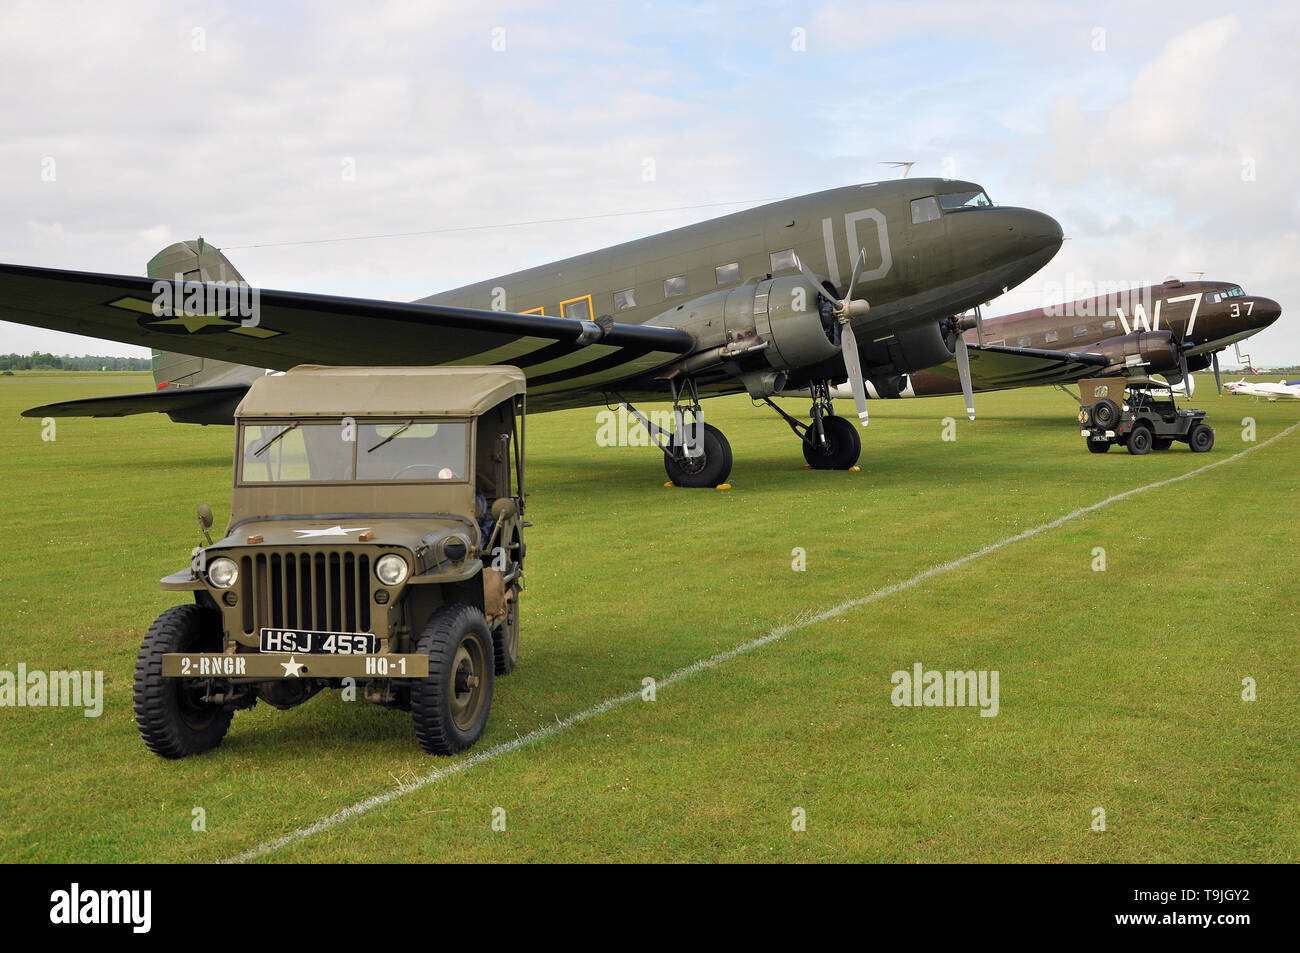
1140, 439
450, 707
173, 718
1098, 446
505, 643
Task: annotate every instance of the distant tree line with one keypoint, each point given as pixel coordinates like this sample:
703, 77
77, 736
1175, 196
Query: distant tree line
38, 361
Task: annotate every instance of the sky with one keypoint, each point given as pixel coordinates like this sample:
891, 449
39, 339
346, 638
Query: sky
1162, 136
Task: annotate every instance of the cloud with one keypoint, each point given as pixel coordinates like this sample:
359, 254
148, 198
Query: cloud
1138, 148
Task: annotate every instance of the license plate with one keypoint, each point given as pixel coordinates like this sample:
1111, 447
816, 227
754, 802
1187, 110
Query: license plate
319, 643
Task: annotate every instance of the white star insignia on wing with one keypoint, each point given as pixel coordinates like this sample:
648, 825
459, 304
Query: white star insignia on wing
292, 668
332, 531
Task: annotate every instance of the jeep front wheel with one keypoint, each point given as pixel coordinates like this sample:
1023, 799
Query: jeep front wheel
450, 707
173, 718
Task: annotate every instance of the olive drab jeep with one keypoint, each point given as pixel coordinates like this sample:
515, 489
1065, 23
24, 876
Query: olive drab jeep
375, 544
1141, 421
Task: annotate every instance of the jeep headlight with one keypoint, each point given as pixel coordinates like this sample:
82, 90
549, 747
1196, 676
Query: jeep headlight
391, 569
223, 572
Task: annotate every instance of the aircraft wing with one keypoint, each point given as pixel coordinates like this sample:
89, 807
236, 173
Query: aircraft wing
183, 404
296, 328
999, 367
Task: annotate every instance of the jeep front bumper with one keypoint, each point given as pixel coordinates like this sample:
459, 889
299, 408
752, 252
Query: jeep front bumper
261, 666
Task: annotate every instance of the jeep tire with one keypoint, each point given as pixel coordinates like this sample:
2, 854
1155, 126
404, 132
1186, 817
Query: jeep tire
1140, 439
1200, 438
450, 707
173, 718
505, 643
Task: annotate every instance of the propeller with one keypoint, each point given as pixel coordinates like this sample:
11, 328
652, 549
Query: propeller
958, 326
1218, 378
845, 310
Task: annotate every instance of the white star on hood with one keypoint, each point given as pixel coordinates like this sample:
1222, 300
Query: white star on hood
332, 531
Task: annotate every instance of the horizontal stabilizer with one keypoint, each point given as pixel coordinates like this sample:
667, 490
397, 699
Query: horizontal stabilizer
185, 405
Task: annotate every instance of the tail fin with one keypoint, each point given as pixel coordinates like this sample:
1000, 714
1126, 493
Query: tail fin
193, 261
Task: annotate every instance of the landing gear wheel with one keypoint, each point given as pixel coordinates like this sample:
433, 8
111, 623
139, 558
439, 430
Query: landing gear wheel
1140, 440
710, 469
1201, 438
505, 643
1105, 413
1162, 443
450, 707
1098, 446
842, 448
173, 718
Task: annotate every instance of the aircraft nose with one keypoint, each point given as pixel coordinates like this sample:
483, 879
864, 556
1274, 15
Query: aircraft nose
1038, 230
1265, 312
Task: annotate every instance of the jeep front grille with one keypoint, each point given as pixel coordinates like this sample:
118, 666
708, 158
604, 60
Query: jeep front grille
321, 591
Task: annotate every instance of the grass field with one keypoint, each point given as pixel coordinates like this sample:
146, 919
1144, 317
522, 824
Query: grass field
1120, 690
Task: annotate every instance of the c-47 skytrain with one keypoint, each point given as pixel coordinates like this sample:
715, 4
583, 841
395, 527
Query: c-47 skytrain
867, 284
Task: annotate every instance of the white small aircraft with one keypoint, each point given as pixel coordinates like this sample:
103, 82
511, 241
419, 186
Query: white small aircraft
1268, 391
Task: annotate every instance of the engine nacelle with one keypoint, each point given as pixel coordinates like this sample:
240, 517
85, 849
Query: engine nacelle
1153, 350
797, 332
906, 352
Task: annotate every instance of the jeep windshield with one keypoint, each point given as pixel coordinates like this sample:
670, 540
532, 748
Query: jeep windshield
348, 451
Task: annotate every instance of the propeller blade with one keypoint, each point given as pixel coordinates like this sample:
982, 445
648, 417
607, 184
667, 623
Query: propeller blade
856, 273
963, 371
853, 364
1182, 368
1218, 380
812, 279
979, 325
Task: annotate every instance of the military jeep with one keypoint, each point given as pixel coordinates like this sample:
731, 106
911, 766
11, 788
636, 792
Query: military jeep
1142, 421
375, 545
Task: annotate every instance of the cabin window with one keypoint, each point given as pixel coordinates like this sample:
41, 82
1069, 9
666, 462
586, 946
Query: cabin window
577, 308
1051, 337
925, 210
1108, 325
783, 260
1211, 298
727, 273
956, 200
1023, 342
623, 300
674, 286
1080, 330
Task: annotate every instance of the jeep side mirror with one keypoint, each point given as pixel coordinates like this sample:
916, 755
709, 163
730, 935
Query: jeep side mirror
205, 521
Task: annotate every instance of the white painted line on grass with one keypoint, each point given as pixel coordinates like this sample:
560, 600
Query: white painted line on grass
563, 724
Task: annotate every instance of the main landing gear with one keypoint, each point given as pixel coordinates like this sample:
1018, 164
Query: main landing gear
829, 442
696, 454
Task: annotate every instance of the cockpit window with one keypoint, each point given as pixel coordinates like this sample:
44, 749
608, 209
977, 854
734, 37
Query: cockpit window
1233, 293
956, 200
924, 210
